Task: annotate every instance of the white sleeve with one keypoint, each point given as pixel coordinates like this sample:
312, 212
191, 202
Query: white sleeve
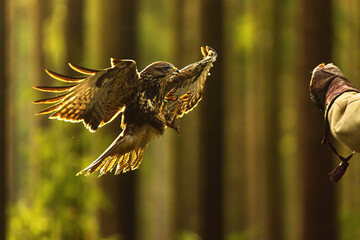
344, 120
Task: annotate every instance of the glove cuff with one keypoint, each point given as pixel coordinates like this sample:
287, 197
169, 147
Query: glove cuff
337, 87
327, 83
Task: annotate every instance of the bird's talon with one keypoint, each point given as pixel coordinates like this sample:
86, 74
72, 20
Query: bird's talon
169, 97
185, 97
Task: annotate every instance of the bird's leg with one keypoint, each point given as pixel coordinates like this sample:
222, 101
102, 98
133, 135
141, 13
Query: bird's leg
171, 117
172, 122
183, 98
158, 122
169, 97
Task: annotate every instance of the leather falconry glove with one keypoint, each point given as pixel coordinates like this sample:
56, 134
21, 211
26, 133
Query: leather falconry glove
326, 85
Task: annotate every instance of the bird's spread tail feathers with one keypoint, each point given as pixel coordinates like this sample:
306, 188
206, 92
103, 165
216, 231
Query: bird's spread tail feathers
120, 157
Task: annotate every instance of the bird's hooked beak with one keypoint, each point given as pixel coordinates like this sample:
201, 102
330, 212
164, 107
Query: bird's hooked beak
176, 71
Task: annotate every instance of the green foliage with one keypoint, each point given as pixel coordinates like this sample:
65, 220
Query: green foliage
54, 40
55, 204
48, 200
156, 29
245, 32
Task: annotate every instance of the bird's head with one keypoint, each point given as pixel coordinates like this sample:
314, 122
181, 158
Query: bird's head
159, 71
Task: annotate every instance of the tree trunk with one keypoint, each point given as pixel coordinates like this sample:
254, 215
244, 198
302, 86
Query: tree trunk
211, 123
235, 207
116, 38
75, 43
187, 49
318, 196
3, 124
271, 105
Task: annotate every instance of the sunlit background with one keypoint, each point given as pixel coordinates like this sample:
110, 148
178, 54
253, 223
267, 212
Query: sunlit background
248, 163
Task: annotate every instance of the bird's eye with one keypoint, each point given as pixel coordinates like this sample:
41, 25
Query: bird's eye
166, 69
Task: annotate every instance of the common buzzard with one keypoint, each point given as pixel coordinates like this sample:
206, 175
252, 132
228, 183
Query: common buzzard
147, 103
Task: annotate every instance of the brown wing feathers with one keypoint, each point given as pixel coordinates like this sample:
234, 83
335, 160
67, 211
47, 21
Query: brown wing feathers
68, 107
82, 105
54, 89
64, 78
192, 78
95, 99
83, 70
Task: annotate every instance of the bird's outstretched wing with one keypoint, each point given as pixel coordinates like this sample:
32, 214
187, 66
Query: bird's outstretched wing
95, 99
192, 79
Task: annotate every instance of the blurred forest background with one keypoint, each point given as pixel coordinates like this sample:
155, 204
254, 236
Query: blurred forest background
248, 164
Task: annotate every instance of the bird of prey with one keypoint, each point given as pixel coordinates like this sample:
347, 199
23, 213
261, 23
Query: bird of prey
147, 102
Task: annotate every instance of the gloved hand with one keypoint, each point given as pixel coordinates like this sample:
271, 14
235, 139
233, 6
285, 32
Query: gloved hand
326, 85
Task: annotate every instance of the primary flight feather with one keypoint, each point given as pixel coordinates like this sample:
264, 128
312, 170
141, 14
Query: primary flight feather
147, 102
